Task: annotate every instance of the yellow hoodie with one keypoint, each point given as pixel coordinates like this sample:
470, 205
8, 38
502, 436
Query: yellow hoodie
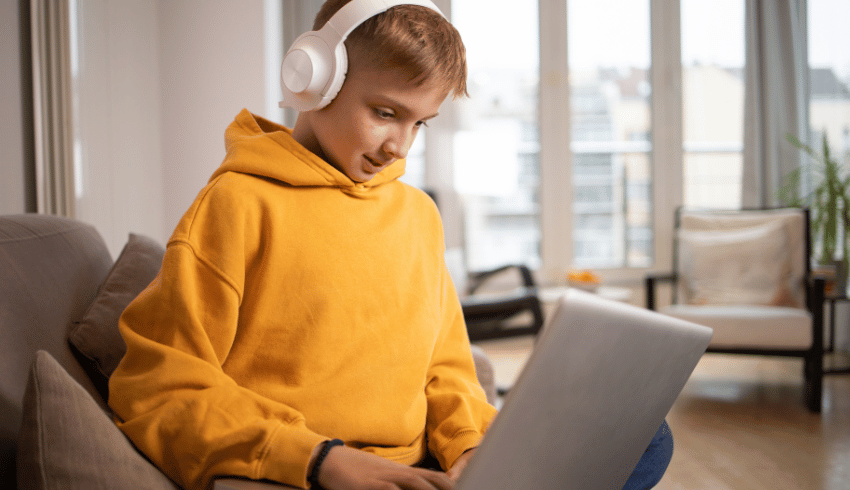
294, 306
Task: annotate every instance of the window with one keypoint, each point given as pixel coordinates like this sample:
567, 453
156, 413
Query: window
414, 169
610, 127
496, 143
829, 78
553, 154
713, 102
829, 75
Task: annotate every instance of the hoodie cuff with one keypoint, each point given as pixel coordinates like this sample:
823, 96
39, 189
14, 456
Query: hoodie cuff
461, 443
287, 457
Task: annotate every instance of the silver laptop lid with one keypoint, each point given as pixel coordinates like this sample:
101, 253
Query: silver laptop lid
600, 380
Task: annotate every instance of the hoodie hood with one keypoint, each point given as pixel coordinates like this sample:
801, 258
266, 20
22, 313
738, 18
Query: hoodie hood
254, 145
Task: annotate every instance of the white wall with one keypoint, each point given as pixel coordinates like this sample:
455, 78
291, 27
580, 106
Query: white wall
11, 115
212, 64
158, 84
118, 178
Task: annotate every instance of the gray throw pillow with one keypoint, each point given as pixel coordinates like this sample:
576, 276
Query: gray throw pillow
96, 336
67, 441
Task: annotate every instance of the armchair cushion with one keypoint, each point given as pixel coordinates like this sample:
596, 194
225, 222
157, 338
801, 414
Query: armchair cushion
96, 336
793, 222
67, 441
743, 266
761, 327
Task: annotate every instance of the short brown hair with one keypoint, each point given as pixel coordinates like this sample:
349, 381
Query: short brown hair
414, 39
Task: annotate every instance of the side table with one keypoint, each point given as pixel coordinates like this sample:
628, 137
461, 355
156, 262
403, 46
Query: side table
832, 300
549, 295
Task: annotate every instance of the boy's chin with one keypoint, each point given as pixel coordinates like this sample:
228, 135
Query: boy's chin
361, 176
360, 179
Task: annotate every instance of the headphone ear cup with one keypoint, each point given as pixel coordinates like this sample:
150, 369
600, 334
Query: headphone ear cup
307, 69
340, 71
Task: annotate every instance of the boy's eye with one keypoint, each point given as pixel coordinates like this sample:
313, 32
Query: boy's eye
421, 123
385, 114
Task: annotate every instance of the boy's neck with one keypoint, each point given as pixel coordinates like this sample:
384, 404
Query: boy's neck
304, 135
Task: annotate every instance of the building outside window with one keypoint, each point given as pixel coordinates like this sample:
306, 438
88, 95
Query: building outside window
829, 75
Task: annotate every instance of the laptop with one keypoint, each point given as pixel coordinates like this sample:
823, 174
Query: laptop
600, 380
597, 386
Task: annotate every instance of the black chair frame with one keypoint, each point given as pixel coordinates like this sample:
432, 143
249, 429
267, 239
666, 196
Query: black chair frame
487, 315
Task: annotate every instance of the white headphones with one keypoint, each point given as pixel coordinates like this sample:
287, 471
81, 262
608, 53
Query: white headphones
315, 66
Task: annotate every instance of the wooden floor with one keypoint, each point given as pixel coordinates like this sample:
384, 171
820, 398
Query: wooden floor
740, 424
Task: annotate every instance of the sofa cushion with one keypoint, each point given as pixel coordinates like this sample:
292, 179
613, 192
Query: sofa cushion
96, 336
67, 441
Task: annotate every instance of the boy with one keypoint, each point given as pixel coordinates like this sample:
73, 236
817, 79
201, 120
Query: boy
303, 300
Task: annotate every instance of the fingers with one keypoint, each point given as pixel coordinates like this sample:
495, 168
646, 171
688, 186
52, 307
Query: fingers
408, 478
351, 469
460, 465
437, 479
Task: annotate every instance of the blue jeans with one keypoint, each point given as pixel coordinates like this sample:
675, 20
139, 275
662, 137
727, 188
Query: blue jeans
654, 461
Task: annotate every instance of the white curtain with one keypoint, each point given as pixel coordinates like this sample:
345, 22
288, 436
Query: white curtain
51, 61
775, 96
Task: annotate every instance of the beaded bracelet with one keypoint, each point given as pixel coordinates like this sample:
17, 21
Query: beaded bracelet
313, 479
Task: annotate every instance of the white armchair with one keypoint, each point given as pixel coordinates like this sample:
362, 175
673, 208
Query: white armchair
746, 275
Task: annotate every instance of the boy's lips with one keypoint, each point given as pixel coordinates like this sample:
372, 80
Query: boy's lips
376, 163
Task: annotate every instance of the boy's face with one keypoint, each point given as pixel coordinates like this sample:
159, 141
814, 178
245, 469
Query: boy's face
370, 124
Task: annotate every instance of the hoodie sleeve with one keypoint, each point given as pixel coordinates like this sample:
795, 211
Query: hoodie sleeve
458, 412
171, 395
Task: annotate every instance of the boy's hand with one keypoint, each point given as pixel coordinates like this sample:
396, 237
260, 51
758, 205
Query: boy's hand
460, 465
346, 468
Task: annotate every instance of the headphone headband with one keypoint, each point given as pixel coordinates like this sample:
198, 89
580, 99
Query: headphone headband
314, 68
357, 12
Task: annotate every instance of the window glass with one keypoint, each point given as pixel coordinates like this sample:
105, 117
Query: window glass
713, 101
829, 79
414, 168
496, 141
829, 75
609, 59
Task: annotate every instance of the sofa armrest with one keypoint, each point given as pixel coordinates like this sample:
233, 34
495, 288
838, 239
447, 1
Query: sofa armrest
486, 373
241, 484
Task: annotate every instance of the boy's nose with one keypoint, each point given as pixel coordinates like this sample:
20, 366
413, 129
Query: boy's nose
397, 145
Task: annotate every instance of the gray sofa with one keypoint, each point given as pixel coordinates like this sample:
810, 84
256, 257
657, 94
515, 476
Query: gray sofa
60, 297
